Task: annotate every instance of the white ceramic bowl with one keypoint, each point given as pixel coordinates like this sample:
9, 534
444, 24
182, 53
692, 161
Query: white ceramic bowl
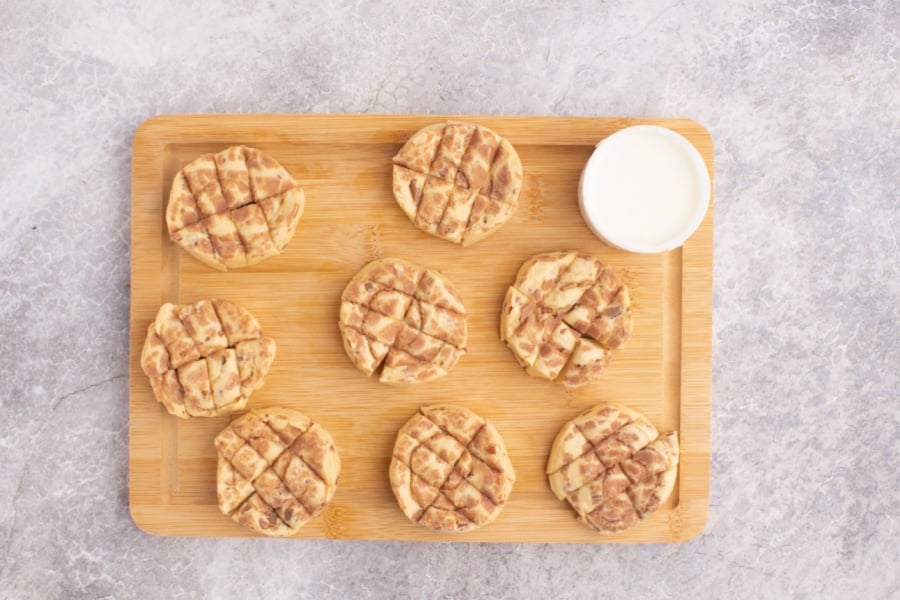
644, 189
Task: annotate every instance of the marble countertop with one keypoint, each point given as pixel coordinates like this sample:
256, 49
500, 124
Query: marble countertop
801, 98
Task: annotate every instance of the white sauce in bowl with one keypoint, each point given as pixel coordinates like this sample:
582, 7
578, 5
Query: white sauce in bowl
644, 189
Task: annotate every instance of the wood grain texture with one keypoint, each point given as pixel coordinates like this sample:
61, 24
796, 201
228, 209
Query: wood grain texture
343, 163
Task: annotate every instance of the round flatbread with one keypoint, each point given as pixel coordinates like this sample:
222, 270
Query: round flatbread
450, 471
205, 359
613, 467
277, 470
457, 181
564, 316
406, 317
234, 208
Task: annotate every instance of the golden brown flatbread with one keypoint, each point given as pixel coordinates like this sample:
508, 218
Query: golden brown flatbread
613, 467
457, 181
277, 470
564, 316
205, 359
234, 208
450, 471
407, 318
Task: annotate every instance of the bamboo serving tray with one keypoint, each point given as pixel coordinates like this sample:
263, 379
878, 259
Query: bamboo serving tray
343, 162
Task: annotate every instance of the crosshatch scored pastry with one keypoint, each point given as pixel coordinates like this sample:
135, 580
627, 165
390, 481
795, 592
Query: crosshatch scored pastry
450, 470
234, 208
457, 181
277, 470
613, 467
205, 359
407, 317
564, 315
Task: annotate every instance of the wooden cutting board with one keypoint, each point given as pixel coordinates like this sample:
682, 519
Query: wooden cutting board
343, 163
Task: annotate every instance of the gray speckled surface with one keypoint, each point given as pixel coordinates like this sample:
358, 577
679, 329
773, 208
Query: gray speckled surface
802, 101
